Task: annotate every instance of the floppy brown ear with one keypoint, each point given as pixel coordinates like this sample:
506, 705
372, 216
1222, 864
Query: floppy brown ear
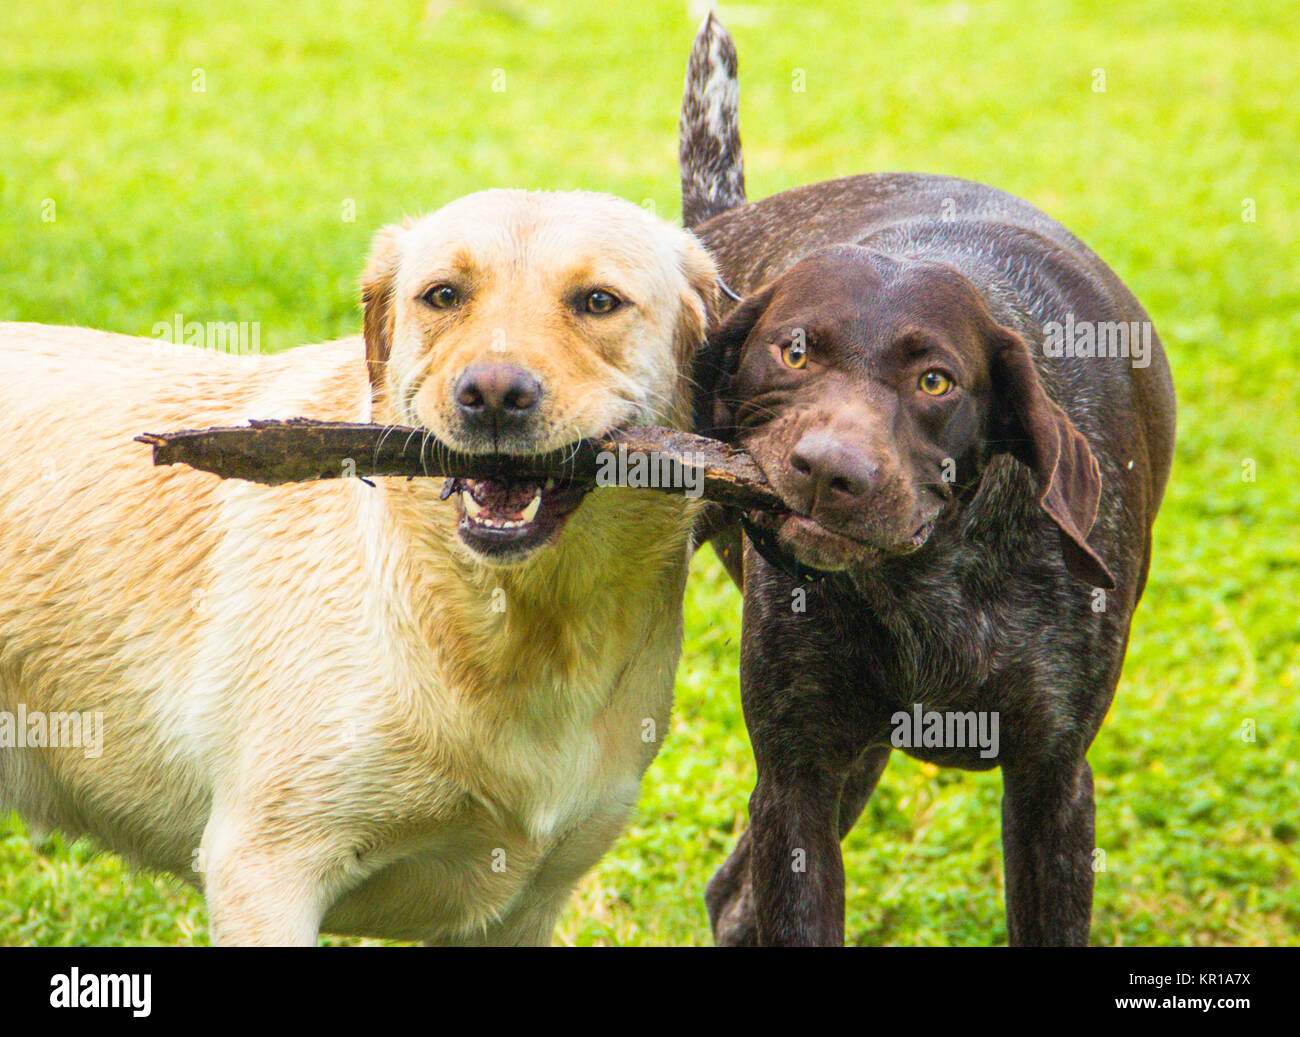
1069, 479
377, 306
718, 361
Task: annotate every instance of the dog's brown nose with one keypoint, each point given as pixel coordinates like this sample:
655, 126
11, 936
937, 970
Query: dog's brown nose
496, 395
829, 473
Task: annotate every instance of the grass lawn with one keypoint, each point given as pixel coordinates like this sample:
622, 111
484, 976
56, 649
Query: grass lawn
254, 198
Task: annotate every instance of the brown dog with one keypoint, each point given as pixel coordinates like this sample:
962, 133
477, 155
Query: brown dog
971, 421
367, 708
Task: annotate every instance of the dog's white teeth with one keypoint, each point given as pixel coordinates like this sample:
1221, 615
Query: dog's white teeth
529, 513
480, 516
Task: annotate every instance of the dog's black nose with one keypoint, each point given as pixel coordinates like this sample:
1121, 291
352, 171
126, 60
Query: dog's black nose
829, 473
499, 395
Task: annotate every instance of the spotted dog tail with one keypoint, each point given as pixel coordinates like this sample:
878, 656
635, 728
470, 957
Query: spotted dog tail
708, 151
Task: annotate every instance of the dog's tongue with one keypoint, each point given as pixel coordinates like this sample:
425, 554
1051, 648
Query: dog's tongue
508, 496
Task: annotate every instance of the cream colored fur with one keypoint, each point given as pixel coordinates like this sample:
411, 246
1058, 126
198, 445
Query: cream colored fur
318, 704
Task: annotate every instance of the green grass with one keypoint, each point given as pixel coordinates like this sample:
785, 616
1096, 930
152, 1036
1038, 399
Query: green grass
227, 205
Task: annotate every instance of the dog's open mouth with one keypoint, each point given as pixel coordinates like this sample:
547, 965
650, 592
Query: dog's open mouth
505, 518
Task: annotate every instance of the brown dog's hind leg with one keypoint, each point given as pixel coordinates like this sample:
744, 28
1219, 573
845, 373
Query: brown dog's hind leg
729, 897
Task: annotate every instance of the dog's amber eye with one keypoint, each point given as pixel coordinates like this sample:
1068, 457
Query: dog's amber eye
442, 296
601, 301
795, 355
935, 383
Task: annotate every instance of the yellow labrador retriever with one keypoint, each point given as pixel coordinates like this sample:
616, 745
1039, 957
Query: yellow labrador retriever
377, 710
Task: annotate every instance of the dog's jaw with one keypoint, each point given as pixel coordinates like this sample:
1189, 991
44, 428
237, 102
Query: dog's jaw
503, 522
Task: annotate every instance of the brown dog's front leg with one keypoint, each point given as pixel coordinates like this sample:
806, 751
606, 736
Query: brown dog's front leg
729, 896
1048, 836
796, 869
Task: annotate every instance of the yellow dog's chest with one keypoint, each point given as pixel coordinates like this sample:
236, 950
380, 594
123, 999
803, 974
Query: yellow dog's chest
515, 827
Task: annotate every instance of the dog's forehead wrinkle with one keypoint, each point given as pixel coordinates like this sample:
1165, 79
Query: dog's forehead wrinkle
810, 307
506, 231
871, 299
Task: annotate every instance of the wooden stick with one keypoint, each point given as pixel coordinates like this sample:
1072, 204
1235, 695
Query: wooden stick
303, 450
